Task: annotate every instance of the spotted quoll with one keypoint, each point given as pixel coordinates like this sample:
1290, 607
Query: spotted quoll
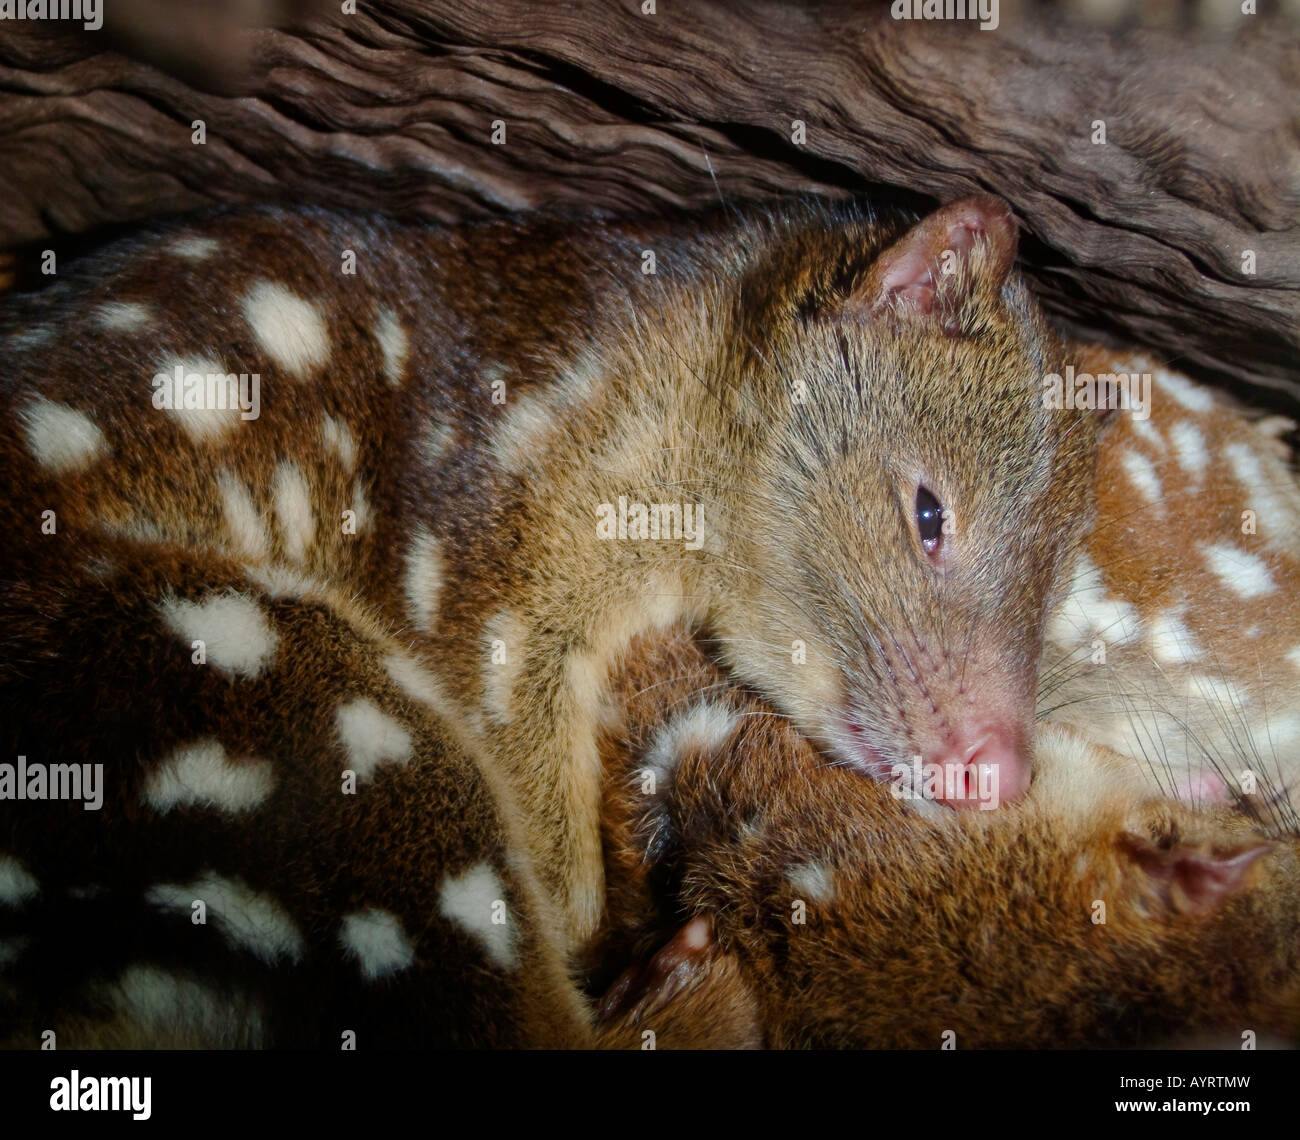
324, 654
296, 846
519, 447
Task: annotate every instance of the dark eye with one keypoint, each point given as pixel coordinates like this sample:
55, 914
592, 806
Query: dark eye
929, 521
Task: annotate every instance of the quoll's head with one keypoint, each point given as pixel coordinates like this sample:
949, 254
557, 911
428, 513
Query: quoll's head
916, 509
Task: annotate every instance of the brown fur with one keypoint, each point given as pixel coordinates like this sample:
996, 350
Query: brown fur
90, 658
1195, 681
979, 924
679, 385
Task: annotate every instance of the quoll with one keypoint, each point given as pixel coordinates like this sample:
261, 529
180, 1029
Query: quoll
341, 648
468, 430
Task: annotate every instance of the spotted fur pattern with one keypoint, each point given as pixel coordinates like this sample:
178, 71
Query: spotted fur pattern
1179, 645
344, 664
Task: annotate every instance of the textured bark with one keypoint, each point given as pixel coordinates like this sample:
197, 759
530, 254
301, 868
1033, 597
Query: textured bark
1141, 239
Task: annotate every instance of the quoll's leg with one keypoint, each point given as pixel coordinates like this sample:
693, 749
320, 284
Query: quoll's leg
689, 995
287, 841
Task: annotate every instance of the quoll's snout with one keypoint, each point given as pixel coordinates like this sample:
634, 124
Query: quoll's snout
957, 736
983, 764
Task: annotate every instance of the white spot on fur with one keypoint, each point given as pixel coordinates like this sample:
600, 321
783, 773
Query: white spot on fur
1293, 655
337, 436
60, 438
1172, 642
1277, 737
293, 511
1142, 473
30, 338
1191, 396
501, 677
255, 922
1273, 428
1245, 574
1189, 448
360, 507
377, 941
244, 521
1245, 465
203, 425
527, 422
238, 638
392, 340
168, 1010
706, 727
123, 316
194, 248
1088, 612
1146, 430
283, 583
416, 682
424, 573
134, 529
468, 899
290, 330
371, 737
201, 775
101, 566
1258, 484
519, 440
16, 883
1217, 691
435, 443
812, 882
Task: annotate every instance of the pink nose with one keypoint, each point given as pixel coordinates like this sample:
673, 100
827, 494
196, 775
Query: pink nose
983, 767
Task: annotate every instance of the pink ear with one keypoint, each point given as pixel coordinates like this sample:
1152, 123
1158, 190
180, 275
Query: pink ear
1193, 879
908, 272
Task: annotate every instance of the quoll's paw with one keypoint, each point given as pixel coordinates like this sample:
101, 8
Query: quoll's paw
642, 989
690, 995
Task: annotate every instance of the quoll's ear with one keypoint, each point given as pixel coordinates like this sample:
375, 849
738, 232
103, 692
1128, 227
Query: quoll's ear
1188, 878
912, 271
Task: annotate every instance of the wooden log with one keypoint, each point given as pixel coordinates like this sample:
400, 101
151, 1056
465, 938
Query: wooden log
1145, 237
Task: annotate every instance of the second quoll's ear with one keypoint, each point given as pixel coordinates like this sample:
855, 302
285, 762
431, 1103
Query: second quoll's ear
911, 272
1191, 879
